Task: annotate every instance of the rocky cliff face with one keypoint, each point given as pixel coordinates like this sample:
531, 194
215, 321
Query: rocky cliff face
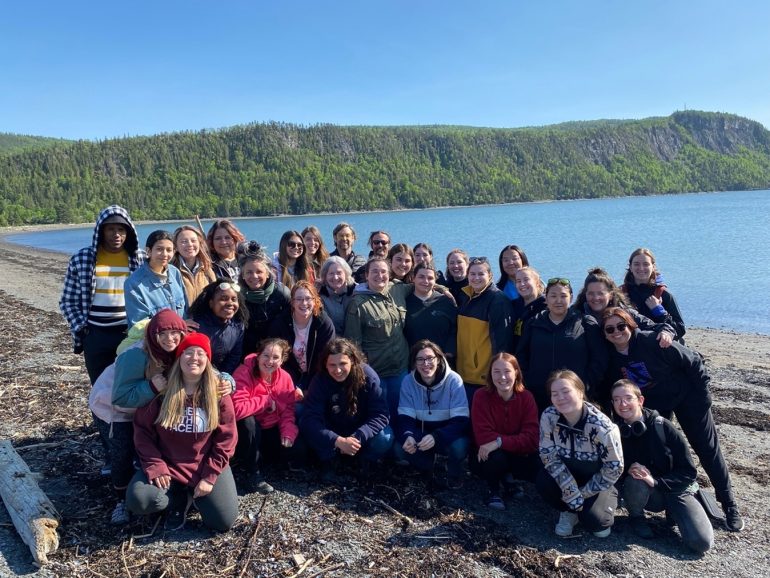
723, 133
665, 137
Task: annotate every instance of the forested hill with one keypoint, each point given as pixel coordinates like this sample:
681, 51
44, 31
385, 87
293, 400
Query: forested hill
273, 168
12, 143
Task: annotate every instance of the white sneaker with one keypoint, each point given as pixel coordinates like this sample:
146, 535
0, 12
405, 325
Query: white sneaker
567, 522
603, 533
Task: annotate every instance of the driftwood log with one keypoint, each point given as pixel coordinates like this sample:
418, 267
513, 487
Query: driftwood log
32, 513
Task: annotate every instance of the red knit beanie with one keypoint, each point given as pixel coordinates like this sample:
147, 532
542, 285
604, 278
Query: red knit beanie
195, 340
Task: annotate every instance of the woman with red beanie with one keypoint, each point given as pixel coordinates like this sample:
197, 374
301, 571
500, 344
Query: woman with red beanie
184, 440
138, 374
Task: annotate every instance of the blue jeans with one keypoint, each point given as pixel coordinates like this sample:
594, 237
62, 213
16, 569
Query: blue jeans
456, 452
378, 446
391, 387
371, 450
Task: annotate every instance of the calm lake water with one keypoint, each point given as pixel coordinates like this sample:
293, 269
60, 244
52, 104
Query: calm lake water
712, 248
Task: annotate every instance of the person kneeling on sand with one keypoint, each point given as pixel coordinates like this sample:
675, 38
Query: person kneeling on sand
660, 474
345, 411
135, 378
185, 439
583, 458
264, 402
433, 416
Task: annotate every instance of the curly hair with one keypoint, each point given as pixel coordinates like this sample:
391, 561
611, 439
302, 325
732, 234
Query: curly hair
356, 379
201, 304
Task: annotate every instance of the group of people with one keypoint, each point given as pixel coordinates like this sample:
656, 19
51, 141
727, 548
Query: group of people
204, 351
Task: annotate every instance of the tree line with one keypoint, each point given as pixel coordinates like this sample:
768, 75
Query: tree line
277, 168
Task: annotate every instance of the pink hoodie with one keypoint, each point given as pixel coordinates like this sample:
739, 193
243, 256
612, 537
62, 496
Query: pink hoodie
253, 394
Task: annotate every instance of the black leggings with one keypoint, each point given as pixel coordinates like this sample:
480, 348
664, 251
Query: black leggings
697, 422
255, 443
119, 438
500, 462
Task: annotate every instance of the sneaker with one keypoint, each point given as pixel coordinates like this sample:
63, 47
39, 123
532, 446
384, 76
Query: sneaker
255, 482
566, 523
733, 518
176, 513
496, 502
120, 515
603, 533
641, 527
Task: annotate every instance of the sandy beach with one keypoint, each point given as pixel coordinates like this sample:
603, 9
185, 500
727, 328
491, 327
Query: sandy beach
38, 371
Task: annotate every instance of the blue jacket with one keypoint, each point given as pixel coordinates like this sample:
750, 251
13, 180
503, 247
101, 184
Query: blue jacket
146, 294
440, 410
226, 340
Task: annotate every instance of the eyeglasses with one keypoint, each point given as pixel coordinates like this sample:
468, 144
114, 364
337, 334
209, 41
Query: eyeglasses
227, 285
425, 360
294, 245
558, 281
610, 329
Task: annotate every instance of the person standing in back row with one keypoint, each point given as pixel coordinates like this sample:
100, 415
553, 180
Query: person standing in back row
92, 301
344, 237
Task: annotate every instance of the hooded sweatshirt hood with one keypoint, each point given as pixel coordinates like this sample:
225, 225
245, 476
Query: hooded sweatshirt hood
116, 214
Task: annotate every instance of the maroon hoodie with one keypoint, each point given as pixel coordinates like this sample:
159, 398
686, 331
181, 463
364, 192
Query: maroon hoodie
185, 454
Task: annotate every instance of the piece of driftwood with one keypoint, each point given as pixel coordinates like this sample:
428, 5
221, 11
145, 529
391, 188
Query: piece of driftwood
32, 513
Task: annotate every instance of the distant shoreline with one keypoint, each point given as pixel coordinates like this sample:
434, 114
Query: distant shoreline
14, 229
16, 262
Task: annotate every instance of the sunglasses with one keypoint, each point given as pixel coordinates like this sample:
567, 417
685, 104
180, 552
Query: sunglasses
558, 281
379, 242
294, 245
610, 329
227, 285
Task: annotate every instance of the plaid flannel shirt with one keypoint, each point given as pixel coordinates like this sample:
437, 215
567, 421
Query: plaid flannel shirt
80, 281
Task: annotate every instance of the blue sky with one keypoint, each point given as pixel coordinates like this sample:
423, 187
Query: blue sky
95, 70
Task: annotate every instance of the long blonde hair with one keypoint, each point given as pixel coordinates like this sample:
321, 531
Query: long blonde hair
174, 400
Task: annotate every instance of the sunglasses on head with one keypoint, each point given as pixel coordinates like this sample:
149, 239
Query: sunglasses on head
227, 285
558, 281
621, 327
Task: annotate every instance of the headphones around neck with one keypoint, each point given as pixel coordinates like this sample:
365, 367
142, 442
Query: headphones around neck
635, 429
